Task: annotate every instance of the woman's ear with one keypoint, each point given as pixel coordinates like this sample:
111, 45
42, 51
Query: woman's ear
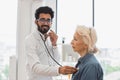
86, 46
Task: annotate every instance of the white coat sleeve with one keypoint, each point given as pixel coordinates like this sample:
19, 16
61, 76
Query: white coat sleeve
34, 63
56, 53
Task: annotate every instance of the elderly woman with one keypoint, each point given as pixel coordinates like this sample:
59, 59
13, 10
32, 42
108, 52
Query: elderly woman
83, 42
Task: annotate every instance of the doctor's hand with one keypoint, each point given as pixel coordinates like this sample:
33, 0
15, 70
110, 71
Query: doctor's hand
67, 70
53, 37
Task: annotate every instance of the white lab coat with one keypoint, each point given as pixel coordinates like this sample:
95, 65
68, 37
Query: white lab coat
39, 65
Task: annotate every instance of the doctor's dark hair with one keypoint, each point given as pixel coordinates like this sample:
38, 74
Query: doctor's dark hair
44, 9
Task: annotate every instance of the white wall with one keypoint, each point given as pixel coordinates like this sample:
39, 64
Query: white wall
23, 28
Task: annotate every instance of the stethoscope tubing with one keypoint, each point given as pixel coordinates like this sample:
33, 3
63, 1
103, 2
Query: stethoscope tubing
49, 53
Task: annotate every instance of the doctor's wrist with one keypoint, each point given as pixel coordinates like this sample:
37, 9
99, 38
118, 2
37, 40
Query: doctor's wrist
54, 47
54, 44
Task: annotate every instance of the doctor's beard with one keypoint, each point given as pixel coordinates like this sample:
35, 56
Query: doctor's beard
43, 28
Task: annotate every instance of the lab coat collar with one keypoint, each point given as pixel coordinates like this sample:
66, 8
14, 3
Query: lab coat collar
38, 35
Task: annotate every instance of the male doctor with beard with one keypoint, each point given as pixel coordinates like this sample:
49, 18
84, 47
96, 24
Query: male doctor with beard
40, 45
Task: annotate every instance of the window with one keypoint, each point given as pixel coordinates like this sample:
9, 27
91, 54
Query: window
70, 14
107, 25
8, 22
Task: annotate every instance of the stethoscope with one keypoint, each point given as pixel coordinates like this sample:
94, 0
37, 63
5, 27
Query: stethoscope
49, 52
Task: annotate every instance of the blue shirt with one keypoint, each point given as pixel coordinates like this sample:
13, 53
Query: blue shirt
89, 69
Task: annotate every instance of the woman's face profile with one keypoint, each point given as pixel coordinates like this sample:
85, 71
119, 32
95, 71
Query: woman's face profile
77, 43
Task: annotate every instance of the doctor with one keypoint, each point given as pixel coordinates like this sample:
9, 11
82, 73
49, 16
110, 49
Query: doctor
40, 45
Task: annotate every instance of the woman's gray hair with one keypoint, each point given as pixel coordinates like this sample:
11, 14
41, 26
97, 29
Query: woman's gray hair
89, 37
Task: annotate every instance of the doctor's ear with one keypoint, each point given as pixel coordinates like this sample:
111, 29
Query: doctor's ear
36, 22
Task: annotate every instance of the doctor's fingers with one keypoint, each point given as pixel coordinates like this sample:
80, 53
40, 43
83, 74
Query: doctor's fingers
52, 33
67, 70
53, 36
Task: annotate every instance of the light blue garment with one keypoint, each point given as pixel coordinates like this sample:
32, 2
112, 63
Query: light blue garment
89, 69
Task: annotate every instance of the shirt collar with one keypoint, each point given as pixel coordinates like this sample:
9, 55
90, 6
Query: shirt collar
83, 59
